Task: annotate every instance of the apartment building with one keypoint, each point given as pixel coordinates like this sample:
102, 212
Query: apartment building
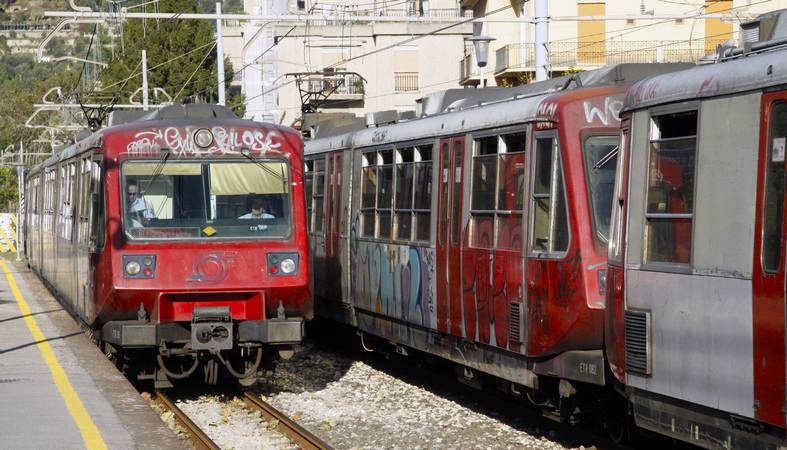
337, 60
586, 34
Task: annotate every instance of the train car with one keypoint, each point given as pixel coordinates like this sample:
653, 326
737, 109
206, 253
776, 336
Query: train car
695, 325
478, 234
179, 239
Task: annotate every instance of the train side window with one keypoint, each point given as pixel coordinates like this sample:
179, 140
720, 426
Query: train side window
497, 189
774, 189
670, 195
422, 191
403, 197
308, 183
444, 178
368, 193
549, 211
97, 218
318, 194
385, 187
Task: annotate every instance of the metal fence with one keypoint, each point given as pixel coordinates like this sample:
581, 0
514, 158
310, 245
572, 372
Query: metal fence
345, 84
591, 54
405, 81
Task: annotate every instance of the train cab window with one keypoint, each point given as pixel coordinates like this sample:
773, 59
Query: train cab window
774, 189
497, 192
600, 155
670, 195
548, 209
206, 200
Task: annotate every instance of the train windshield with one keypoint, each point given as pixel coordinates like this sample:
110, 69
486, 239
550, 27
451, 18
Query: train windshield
206, 200
601, 156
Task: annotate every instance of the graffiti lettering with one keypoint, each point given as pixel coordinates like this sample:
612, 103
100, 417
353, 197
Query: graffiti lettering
609, 112
180, 141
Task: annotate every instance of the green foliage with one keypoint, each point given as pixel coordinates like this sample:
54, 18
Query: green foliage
165, 40
8, 187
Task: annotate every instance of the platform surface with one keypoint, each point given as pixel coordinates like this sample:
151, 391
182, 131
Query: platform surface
57, 391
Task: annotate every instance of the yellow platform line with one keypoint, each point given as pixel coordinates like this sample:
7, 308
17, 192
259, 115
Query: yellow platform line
90, 433
8, 242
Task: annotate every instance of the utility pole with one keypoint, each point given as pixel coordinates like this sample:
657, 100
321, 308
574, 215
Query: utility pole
144, 80
541, 17
20, 178
220, 55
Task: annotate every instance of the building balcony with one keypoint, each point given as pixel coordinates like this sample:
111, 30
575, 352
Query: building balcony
405, 81
519, 59
346, 88
470, 75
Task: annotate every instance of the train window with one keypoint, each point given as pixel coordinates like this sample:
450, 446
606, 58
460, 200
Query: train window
457, 195
445, 176
774, 190
497, 192
670, 196
615, 252
549, 211
206, 199
368, 194
422, 193
600, 155
403, 202
97, 218
308, 183
384, 193
318, 194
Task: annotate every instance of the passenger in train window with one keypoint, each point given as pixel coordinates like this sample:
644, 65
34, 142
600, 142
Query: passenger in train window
258, 210
140, 211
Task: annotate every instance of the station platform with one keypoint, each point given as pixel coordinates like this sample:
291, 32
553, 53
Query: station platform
56, 388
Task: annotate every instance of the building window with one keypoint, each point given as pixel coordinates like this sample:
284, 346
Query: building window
405, 81
774, 190
301, 5
548, 209
497, 192
406, 68
670, 196
413, 193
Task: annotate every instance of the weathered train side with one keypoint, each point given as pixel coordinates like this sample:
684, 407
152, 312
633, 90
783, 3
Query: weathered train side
696, 304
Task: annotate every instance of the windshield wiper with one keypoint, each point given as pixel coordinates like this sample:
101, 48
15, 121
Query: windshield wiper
264, 167
605, 159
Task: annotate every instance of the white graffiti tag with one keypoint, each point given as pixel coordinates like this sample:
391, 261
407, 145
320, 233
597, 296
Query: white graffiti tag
611, 111
180, 141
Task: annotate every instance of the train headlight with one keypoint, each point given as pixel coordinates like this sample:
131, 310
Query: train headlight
203, 137
133, 268
281, 264
287, 266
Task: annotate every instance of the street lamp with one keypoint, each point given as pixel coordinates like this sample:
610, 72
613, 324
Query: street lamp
481, 45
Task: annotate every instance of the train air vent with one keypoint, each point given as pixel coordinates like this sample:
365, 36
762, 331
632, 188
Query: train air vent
515, 322
638, 342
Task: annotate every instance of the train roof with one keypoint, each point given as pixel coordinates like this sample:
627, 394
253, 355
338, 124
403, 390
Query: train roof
196, 115
489, 109
755, 66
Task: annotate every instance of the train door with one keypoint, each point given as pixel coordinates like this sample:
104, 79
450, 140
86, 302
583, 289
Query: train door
769, 264
83, 205
333, 210
548, 244
449, 236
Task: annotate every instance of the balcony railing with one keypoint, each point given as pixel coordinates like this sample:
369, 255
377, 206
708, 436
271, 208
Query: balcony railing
405, 81
335, 11
562, 55
347, 86
468, 69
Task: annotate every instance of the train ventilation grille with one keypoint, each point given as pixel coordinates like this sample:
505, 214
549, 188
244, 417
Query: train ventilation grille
638, 342
515, 322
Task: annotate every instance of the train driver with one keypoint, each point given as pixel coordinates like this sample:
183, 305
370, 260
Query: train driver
140, 211
258, 208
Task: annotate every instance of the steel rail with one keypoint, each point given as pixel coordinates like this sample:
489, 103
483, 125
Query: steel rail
296, 433
200, 440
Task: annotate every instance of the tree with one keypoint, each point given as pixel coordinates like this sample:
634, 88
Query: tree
185, 48
8, 187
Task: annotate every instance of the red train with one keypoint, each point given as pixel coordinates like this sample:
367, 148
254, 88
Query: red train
479, 234
179, 239
695, 319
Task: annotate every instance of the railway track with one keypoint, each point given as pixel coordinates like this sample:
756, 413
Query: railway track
197, 437
288, 427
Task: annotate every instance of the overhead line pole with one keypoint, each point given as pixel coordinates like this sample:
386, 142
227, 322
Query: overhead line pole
220, 55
